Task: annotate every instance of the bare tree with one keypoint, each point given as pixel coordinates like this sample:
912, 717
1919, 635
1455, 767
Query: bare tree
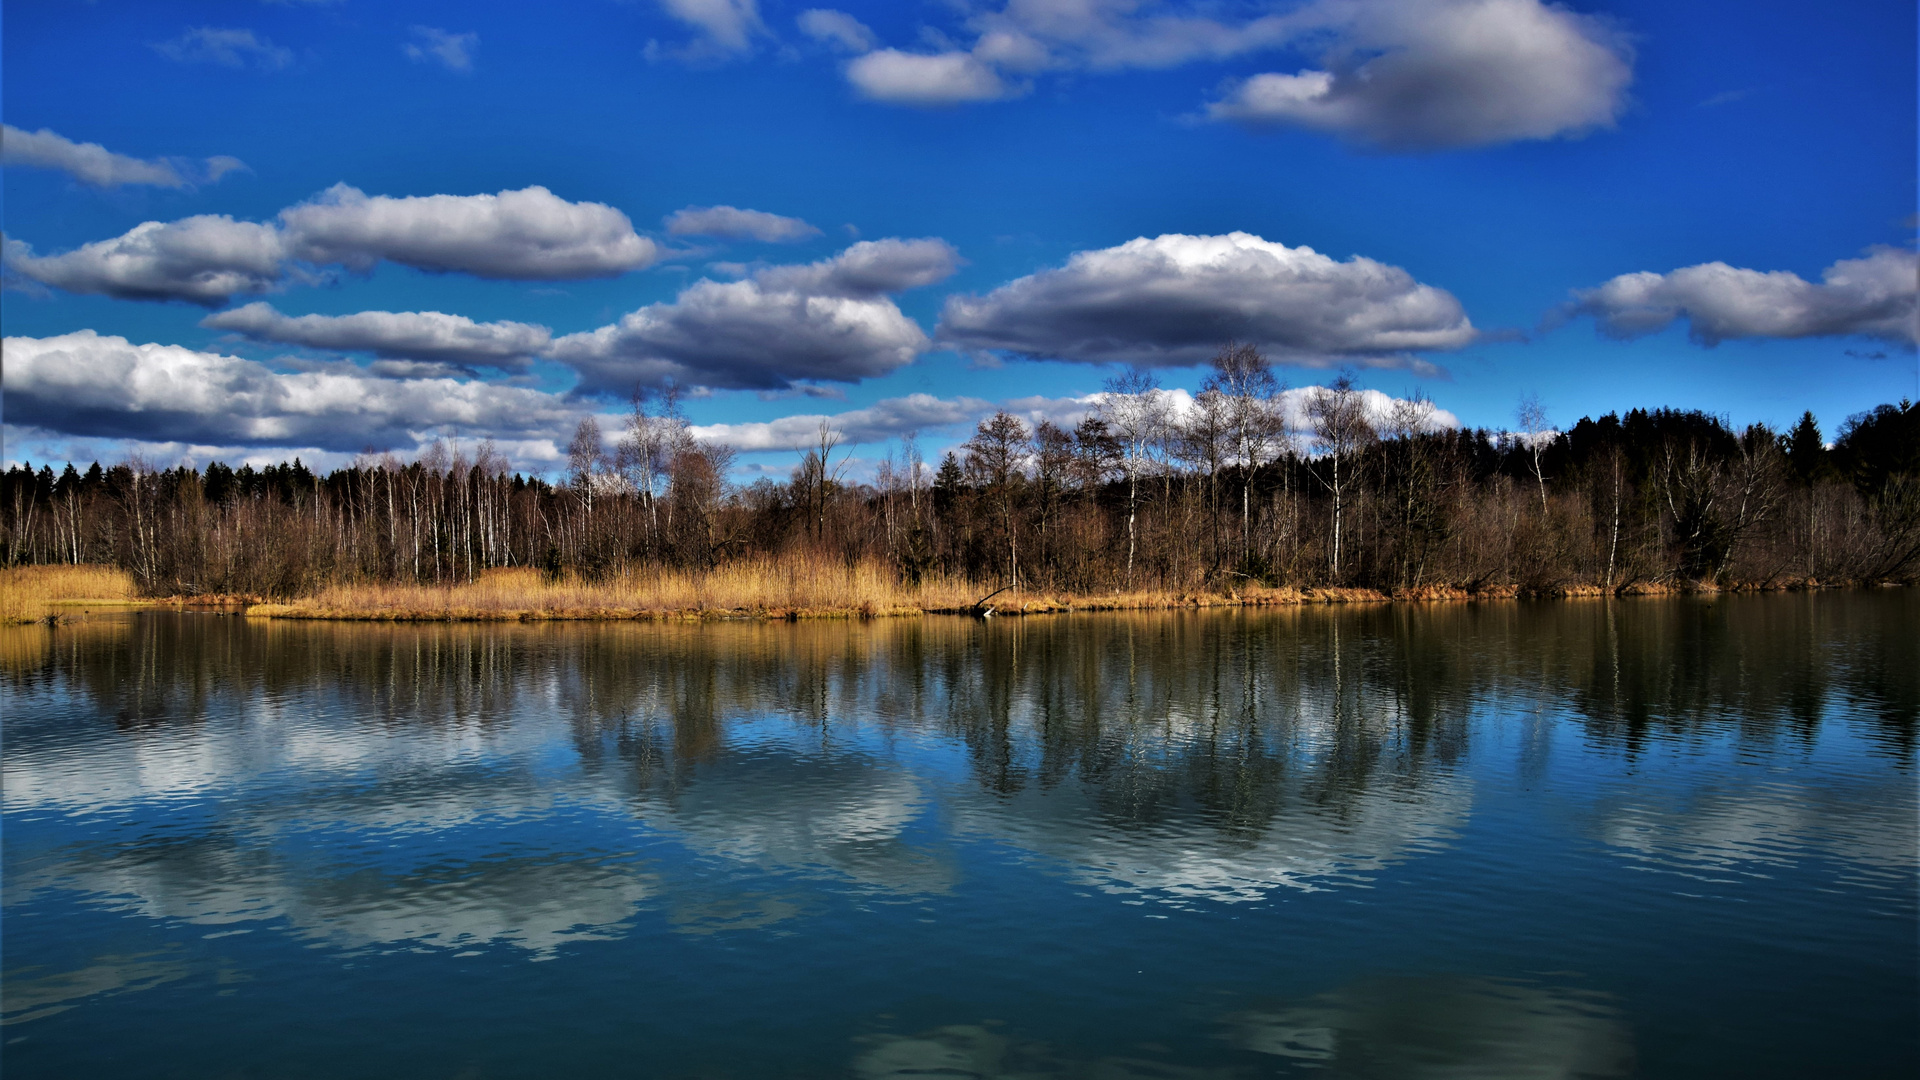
1533, 422
1052, 461
1205, 439
817, 476
994, 455
1338, 413
1255, 418
1135, 413
584, 461
910, 457
698, 484
1414, 484
1615, 462
641, 459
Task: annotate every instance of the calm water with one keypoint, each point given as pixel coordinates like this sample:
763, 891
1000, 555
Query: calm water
1648, 838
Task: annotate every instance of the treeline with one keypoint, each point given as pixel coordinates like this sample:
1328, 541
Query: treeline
1227, 492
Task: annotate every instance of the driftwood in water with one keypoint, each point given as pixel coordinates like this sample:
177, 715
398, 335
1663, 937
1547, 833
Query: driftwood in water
980, 606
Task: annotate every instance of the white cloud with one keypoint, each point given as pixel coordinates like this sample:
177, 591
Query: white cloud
1174, 299
828, 321
836, 28
1178, 402
1397, 74
870, 268
726, 27
1110, 35
530, 234
91, 163
94, 164
1447, 73
428, 336
1872, 296
892, 417
734, 223
948, 78
220, 165
203, 260
1380, 407
878, 422
451, 51
93, 385
226, 47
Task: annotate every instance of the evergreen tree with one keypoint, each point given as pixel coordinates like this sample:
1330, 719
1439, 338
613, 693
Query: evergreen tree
1807, 451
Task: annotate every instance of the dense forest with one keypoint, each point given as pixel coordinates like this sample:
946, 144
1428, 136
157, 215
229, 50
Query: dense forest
1136, 496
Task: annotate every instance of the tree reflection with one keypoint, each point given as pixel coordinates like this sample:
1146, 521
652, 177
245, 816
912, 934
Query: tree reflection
1189, 753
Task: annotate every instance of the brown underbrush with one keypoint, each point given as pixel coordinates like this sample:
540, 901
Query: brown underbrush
32, 593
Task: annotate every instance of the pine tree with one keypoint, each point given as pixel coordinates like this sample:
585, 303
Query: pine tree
1806, 451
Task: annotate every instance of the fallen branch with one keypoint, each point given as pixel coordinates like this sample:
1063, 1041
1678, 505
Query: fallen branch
980, 605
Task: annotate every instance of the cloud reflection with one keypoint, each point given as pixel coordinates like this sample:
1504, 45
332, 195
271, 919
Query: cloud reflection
1442, 1028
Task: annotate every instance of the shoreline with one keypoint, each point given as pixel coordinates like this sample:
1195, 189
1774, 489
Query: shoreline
1044, 604
516, 596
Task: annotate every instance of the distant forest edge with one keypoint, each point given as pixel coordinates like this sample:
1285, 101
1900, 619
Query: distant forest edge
1220, 499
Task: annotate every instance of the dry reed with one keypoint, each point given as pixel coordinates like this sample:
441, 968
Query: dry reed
766, 588
32, 593
750, 588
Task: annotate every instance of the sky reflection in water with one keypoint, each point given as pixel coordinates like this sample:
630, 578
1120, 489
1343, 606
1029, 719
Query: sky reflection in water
1509, 840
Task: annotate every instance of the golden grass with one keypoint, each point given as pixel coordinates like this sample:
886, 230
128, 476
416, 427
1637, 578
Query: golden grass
31, 593
775, 588
761, 587
750, 588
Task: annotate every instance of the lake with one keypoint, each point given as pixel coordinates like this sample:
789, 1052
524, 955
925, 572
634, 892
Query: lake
1650, 837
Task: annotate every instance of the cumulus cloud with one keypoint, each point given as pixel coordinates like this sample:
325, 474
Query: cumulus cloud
93, 385
1872, 296
724, 27
203, 260
226, 47
948, 78
451, 51
530, 234
836, 28
1380, 407
733, 223
826, 321
1172, 300
870, 268
1447, 73
428, 336
1178, 403
1395, 74
892, 417
91, 163
878, 422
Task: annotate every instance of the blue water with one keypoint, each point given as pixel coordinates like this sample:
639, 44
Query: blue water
1663, 838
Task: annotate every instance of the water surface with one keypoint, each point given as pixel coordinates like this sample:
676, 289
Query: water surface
1663, 838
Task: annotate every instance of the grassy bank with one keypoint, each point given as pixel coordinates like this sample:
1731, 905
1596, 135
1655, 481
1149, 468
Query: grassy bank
758, 588
799, 589
765, 589
31, 594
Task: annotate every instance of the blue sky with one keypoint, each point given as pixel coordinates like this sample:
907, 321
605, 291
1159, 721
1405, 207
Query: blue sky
1705, 205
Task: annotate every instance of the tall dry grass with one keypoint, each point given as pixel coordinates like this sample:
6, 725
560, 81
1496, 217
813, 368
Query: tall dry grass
765, 587
31, 593
760, 587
